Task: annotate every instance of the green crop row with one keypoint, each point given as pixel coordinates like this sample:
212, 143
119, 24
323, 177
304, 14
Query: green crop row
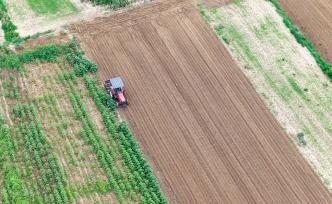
140, 181
13, 188
10, 87
299, 36
51, 176
135, 160
92, 136
7, 25
77, 59
138, 167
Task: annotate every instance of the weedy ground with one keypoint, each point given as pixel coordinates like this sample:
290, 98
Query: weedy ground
32, 16
52, 6
283, 72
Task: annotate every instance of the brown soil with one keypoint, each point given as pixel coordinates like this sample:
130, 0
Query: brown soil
215, 3
199, 121
314, 18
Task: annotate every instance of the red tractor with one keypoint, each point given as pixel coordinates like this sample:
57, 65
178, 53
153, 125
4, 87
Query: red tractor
115, 88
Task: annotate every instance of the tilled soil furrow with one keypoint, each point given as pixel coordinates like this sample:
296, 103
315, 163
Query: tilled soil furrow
267, 125
207, 78
173, 101
198, 119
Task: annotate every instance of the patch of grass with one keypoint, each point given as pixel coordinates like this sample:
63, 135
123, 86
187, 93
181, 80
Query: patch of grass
296, 87
239, 2
267, 27
52, 6
231, 35
203, 11
91, 186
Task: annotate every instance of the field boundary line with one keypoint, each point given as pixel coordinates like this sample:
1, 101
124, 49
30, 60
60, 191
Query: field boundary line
302, 40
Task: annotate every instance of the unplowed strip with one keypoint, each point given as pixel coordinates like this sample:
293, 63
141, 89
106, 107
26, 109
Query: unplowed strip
314, 18
204, 129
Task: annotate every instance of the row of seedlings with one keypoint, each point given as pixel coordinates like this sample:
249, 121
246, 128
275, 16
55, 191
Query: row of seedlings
62, 125
140, 172
50, 178
90, 134
13, 190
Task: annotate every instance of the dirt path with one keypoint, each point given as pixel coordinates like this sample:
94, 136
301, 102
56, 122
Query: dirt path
204, 129
314, 18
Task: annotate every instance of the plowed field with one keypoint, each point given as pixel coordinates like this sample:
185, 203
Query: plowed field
204, 129
314, 18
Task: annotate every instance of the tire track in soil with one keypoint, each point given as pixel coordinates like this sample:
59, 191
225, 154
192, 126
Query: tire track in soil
199, 121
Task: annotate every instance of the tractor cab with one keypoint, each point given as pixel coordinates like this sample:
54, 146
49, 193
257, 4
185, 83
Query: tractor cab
116, 89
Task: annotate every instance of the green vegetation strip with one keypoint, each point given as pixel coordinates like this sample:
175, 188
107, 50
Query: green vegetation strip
115, 4
13, 188
47, 53
7, 25
51, 6
299, 36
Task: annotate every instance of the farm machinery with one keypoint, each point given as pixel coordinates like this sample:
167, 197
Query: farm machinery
116, 89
